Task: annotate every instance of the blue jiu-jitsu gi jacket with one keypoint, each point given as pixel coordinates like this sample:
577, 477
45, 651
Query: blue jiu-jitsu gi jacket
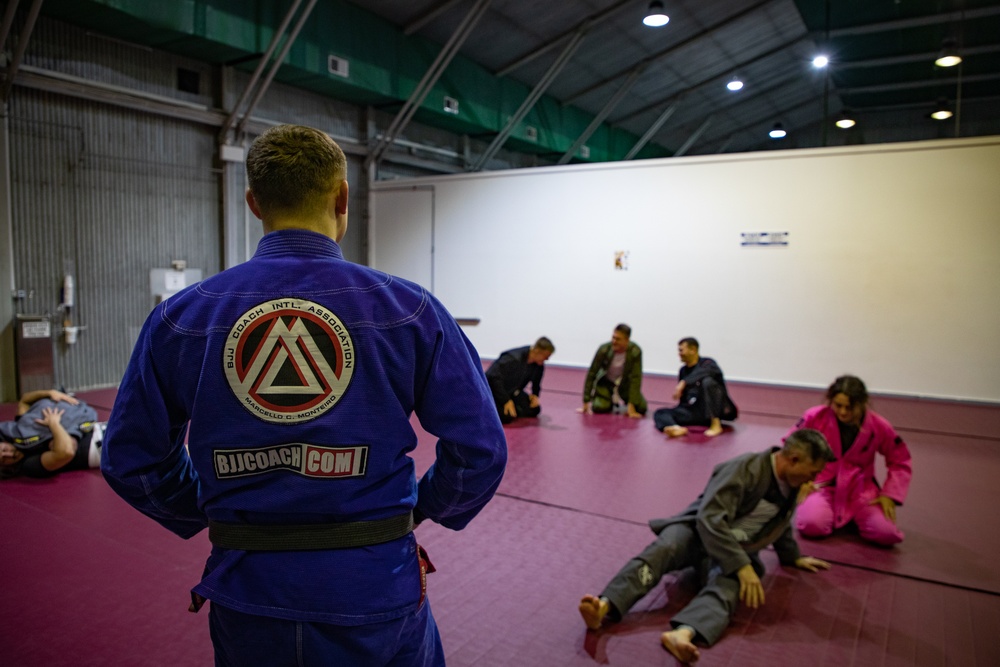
293, 378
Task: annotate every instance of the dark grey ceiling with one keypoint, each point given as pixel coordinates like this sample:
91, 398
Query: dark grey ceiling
881, 51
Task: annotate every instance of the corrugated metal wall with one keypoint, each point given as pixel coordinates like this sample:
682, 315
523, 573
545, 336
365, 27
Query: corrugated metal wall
106, 193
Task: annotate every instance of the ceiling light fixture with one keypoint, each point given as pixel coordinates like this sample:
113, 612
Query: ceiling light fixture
777, 132
655, 18
820, 61
949, 54
734, 84
942, 111
846, 120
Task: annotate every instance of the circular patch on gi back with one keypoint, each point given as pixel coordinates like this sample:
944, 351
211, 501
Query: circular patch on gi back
288, 360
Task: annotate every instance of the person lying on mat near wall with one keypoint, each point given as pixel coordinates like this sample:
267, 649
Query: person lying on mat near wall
53, 433
702, 395
747, 505
615, 376
847, 489
511, 373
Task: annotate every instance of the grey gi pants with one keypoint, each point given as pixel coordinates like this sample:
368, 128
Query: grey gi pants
675, 548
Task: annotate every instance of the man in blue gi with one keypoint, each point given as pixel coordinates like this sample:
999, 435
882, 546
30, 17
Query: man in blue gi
293, 377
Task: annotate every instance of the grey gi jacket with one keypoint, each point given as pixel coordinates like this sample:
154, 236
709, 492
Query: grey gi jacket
733, 491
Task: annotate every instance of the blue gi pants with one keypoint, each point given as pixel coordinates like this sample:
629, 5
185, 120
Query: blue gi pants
242, 640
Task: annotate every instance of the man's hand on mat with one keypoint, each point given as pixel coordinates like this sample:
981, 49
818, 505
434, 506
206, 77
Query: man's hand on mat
888, 507
811, 564
533, 401
632, 412
585, 409
509, 409
751, 590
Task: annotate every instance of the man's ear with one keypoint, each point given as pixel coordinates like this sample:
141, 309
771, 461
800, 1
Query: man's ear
252, 203
341, 204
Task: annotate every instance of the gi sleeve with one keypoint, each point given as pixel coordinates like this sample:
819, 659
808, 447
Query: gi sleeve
595, 366
144, 459
497, 376
536, 380
456, 405
898, 464
706, 368
635, 381
787, 548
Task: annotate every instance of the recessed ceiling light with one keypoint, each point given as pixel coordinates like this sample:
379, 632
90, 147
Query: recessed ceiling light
820, 61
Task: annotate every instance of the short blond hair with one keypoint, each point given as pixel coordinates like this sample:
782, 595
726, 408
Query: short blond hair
293, 169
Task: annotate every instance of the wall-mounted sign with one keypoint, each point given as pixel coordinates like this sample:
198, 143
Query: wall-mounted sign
36, 329
763, 238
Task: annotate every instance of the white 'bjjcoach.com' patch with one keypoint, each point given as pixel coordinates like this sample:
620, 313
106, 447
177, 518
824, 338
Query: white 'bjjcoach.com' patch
297, 457
288, 360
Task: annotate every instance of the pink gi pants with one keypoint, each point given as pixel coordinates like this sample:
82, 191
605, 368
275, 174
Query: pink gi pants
815, 518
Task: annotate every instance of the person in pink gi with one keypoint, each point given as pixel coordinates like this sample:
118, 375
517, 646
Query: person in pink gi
847, 489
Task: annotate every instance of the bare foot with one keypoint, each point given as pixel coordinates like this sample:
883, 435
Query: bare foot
678, 642
675, 431
714, 429
594, 609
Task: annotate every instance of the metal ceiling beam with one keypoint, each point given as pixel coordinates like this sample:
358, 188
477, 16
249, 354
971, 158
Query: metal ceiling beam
552, 43
278, 34
662, 54
718, 77
653, 129
532, 98
792, 109
8, 21
425, 85
863, 110
759, 93
269, 77
608, 108
928, 57
22, 45
916, 22
924, 83
429, 16
693, 138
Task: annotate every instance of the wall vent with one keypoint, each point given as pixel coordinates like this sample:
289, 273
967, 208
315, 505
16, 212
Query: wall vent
450, 105
530, 133
338, 66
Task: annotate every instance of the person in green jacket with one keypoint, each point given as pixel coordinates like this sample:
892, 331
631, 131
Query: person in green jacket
615, 376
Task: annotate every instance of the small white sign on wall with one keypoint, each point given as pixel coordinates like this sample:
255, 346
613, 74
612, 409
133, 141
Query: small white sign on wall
763, 238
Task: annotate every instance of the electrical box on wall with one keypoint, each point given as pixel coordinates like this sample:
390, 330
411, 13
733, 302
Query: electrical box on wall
164, 283
33, 349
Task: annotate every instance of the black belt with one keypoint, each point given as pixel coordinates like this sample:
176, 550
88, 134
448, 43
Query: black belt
306, 537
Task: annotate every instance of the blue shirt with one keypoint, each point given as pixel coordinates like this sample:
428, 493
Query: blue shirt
293, 377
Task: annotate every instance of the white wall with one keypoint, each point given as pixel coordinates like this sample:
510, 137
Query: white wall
892, 271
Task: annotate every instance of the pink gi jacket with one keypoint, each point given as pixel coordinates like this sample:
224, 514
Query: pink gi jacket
855, 485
